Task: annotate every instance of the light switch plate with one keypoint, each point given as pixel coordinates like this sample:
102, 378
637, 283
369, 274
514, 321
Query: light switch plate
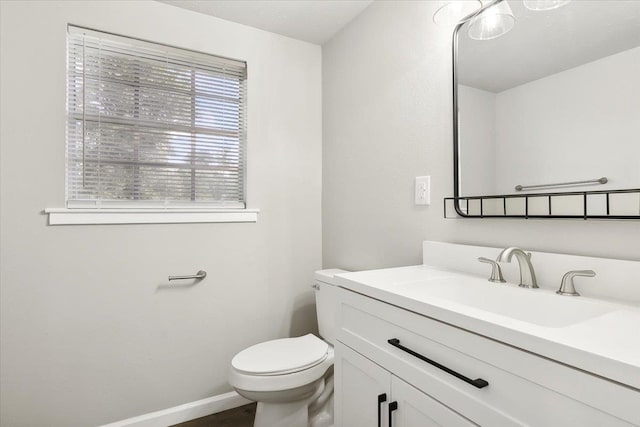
423, 190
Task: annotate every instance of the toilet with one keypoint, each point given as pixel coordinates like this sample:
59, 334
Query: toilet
292, 378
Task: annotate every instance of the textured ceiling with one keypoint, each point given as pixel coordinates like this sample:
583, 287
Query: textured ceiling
314, 21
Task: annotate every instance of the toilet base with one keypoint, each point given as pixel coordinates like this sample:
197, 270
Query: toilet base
315, 409
323, 418
321, 409
292, 414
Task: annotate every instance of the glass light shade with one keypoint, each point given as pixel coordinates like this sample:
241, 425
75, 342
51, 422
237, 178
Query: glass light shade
451, 12
544, 4
493, 22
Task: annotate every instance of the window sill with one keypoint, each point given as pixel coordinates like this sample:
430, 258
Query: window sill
62, 216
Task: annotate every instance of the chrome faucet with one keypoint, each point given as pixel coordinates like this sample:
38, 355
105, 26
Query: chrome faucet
527, 274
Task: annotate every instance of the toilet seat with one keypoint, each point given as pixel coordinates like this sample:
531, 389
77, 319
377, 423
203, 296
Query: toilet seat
283, 381
282, 356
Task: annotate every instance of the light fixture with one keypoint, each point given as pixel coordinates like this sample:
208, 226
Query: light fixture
492, 22
544, 4
451, 12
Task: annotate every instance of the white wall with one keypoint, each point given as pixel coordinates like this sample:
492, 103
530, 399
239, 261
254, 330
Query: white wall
477, 133
582, 123
386, 119
91, 332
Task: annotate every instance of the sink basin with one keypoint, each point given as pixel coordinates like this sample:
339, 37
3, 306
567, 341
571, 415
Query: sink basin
536, 306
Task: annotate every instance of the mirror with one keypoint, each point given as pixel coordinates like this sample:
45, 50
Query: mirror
551, 104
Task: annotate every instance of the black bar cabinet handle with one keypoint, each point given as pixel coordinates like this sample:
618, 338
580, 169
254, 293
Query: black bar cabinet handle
381, 399
392, 407
478, 382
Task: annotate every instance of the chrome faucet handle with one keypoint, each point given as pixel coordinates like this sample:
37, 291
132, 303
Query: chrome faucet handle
496, 271
567, 286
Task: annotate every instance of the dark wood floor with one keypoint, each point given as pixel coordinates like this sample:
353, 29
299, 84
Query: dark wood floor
238, 417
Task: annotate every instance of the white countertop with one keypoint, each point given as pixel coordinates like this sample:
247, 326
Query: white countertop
603, 338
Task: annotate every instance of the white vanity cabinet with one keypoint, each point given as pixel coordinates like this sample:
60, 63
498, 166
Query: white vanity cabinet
436, 373
368, 395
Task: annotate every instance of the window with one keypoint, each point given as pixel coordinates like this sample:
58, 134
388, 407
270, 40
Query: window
152, 126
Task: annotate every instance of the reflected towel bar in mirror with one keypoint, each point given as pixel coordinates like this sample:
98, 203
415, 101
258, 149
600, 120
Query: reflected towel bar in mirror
602, 180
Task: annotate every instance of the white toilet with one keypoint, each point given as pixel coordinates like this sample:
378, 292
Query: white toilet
292, 378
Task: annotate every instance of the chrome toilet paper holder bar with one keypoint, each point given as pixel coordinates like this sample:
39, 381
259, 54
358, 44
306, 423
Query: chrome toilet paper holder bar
201, 274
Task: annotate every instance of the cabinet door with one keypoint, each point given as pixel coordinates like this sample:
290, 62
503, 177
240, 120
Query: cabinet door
416, 409
359, 385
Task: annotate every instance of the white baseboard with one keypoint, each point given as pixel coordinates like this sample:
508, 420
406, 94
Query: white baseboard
188, 411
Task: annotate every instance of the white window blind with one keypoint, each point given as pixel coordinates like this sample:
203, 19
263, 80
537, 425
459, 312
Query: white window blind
150, 124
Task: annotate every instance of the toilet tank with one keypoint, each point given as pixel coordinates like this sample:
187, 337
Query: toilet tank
327, 303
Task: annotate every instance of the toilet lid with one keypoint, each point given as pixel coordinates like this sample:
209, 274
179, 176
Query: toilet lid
281, 356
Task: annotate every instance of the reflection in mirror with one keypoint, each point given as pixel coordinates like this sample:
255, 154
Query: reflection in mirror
554, 100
